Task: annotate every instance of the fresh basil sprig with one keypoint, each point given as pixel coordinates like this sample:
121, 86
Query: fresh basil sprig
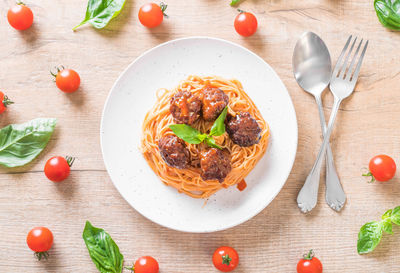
102, 249
21, 143
388, 12
193, 136
100, 12
371, 233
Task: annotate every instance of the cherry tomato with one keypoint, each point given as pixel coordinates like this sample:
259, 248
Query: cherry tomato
67, 80
225, 259
146, 264
381, 168
20, 17
245, 23
151, 14
40, 240
4, 101
309, 264
58, 168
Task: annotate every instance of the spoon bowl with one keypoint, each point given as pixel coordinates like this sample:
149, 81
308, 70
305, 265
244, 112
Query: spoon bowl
312, 66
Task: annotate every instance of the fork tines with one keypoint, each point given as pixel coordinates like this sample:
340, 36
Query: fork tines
345, 71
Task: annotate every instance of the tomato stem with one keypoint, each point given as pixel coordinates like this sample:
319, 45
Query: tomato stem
226, 259
163, 7
309, 255
41, 255
130, 268
369, 174
241, 11
70, 160
6, 101
58, 68
20, 3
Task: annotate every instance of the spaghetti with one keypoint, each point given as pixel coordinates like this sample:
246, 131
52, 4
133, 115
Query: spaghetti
188, 180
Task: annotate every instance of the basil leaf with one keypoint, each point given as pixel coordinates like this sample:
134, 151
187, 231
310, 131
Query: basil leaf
102, 249
218, 127
187, 133
235, 2
395, 216
21, 143
388, 12
387, 214
100, 12
387, 226
369, 237
211, 142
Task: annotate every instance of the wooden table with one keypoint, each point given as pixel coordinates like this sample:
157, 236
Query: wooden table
274, 240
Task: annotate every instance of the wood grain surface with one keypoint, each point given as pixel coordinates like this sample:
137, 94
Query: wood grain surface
274, 240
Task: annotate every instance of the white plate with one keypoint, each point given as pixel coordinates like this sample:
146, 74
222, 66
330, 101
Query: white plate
133, 95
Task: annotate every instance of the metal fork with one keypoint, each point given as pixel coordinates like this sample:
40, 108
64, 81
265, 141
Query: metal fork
343, 81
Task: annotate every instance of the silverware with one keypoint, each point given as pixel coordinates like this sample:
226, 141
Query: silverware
312, 70
342, 85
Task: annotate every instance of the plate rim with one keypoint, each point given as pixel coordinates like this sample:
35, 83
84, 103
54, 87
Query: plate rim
292, 160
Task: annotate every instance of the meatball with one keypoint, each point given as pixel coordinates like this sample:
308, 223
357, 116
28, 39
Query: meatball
243, 129
214, 102
174, 152
185, 107
215, 164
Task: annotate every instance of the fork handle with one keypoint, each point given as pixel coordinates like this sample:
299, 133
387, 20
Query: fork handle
334, 196
308, 195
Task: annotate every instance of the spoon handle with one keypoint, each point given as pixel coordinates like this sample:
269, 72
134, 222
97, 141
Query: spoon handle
307, 198
334, 196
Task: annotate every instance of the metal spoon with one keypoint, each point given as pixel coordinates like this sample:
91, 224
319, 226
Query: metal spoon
312, 69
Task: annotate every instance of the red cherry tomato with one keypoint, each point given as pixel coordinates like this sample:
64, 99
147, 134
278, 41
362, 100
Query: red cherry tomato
58, 168
245, 24
151, 14
4, 101
309, 264
67, 80
20, 17
381, 168
40, 240
225, 259
146, 264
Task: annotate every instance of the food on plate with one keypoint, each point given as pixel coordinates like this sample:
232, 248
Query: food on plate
4, 102
100, 12
371, 233
20, 17
145, 264
245, 23
243, 129
193, 136
309, 264
388, 12
67, 80
40, 240
215, 164
381, 168
225, 258
185, 107
58, 168
214, 102
151, 14
102, 249
214, 161
21, 143
241, 185
174, 151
